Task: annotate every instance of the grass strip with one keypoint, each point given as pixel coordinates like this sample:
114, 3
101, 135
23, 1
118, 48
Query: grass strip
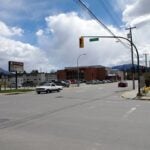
16, 90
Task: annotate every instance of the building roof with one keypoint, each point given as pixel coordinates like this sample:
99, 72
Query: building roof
94, 66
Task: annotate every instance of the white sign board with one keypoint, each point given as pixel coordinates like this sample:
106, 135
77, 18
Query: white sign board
16, 66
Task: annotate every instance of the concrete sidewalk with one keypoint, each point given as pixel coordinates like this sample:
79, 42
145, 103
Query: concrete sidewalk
133, 95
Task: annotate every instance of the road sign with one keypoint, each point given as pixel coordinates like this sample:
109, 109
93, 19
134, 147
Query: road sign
94, 39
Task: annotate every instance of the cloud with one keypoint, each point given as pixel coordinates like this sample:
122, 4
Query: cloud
137, 13
140, 21
12, 11
62, 45
121, 4
10, 49
33, 57
40, 32
9, 31
58, 44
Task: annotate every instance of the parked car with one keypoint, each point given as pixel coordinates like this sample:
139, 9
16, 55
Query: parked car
88, 82
62, 83
73, 81
28, 84
122, 84
48, 88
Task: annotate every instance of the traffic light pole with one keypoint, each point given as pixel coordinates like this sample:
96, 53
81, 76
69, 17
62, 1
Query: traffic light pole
138, 62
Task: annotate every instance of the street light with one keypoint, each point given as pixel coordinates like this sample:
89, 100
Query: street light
78, 82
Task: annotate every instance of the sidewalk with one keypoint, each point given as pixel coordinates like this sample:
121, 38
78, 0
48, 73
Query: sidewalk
133, 95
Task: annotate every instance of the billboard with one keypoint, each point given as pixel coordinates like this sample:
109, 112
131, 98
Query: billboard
14, 66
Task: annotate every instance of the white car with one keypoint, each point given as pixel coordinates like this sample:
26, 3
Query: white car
48, 88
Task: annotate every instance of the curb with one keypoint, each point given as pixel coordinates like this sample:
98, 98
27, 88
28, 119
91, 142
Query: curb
132, 95
129, 95
14, 93
143, 98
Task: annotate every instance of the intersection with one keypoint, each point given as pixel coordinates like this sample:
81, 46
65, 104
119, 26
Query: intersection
89, 117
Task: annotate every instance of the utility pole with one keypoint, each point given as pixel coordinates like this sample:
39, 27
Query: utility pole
131, 43
149, 65
146, 61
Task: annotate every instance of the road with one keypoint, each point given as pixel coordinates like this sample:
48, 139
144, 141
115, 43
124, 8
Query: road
89, 117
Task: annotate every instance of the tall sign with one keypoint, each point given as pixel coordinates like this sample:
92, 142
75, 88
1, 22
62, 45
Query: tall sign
14, 66
17, 67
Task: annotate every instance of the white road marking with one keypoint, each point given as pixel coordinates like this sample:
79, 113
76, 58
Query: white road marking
129, 112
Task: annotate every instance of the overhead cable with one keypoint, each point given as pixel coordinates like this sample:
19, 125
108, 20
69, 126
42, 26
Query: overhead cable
100, 22
107, 6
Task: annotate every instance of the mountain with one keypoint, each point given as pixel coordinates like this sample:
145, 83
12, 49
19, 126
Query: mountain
4, 72
125, 67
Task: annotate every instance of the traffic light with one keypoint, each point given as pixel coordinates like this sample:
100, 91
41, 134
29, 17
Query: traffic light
81, 42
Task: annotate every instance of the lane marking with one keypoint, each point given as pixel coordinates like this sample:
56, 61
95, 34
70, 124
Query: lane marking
129, 112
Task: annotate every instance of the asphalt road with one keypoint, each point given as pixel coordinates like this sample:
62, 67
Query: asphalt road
89, 117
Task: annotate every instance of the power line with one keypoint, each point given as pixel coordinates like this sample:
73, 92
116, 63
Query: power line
100, 22
105, 6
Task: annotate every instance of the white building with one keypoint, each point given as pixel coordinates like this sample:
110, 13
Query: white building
34, 78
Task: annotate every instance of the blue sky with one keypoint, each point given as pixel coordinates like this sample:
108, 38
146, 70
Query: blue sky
30, 14
44, 34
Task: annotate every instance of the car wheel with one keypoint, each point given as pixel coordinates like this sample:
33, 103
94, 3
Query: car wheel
38, 92
50, 91
47, 91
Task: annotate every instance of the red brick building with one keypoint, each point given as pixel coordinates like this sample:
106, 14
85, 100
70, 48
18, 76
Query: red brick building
87, 73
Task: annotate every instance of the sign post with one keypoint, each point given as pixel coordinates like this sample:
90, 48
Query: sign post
16, 67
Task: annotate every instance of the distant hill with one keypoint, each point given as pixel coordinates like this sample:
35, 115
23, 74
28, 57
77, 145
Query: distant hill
4, 72
125, 67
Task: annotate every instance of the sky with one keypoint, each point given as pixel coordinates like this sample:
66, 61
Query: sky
44, 34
